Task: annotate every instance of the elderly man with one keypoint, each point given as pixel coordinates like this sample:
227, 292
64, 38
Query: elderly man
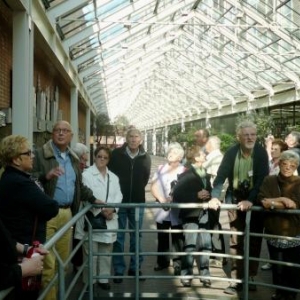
244, 165
201, 136
132, 165
57, 168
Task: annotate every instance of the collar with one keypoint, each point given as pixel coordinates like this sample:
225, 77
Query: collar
57, 152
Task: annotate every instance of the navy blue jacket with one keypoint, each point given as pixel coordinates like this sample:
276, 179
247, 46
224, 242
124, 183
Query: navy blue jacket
21, 201
226, 170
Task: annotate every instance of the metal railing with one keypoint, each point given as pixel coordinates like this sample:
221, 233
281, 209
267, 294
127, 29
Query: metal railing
65, 291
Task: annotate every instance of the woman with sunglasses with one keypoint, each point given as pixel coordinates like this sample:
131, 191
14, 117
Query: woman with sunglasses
105, 185
24, 207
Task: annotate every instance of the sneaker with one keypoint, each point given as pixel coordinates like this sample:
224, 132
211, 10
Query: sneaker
206, 283
266, 267
186, 282
233, 289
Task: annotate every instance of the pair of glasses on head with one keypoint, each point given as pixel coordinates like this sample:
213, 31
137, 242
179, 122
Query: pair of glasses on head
27, 153
61, 130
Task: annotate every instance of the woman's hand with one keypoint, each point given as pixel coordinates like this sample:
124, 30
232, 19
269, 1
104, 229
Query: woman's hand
244, 205
108, 213
32, 266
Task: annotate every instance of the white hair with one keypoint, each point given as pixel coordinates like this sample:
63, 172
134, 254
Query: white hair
80, 149
215, 142
177, 148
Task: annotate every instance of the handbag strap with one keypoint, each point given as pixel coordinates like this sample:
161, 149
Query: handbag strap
107, 189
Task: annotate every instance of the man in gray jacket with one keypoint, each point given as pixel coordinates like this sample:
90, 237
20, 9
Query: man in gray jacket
57, 168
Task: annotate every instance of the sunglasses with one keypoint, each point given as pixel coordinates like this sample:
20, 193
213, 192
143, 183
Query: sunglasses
28, 153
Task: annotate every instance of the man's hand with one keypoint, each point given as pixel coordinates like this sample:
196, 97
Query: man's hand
244, 205
55, 172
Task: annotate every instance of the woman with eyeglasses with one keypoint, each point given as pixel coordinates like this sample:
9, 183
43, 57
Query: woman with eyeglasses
24, 207
277, 193
105, 185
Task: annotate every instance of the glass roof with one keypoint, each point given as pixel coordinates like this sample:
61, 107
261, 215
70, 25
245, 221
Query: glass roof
160, 62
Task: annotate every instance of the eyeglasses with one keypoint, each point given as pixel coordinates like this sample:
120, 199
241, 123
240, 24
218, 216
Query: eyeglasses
248, 135
102, 157
28, 153
61, 130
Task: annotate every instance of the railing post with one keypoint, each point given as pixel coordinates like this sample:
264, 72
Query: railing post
246, 255
137, 252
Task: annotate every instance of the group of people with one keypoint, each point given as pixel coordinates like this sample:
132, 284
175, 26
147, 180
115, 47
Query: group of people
41, 191
252, 174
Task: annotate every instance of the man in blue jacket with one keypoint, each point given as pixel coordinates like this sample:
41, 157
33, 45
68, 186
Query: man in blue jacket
244, 165
132, 165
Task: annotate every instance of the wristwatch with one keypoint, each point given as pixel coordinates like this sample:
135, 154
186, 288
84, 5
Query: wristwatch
25, 249
272, 205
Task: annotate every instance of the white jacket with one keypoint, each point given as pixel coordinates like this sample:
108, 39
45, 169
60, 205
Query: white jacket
92, 178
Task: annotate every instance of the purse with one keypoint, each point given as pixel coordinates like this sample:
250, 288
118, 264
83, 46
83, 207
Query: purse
98, 221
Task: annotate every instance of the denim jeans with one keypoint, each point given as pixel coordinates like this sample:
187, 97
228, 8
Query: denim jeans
119, 264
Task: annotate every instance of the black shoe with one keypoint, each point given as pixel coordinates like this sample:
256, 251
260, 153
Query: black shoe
159, 268
277, 296
104, 286
177, 270
132, 273
252, 287
118, 280
233, 289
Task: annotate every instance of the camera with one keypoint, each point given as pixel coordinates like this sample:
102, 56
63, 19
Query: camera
242, 192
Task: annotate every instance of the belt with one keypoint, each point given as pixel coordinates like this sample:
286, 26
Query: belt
66, 206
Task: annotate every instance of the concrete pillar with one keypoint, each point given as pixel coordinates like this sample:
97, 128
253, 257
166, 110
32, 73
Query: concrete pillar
22, 75
74, 114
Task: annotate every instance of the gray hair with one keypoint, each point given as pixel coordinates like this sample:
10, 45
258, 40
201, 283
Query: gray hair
135, 130
245, 124
80, 149
296, 135
215, 142
177, 148
289, 155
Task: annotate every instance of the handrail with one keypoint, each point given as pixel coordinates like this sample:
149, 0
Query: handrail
60, 277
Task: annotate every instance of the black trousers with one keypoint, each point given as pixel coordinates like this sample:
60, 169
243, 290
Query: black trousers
285, 275
163, 244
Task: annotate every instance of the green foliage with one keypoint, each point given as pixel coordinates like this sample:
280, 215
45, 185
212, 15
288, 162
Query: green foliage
227, 140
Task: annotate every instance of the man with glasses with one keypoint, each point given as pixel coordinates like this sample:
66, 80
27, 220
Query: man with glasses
57, 168
132, 165
244, 165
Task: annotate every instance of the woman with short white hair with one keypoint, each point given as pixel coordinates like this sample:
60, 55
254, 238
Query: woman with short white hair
161, 187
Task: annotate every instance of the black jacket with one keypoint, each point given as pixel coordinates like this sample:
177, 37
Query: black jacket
10, 271
186, 191
21, 201
133, 173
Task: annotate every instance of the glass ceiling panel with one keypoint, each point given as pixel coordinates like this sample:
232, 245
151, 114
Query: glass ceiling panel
182, 54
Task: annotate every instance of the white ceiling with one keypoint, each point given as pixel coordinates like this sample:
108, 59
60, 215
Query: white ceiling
160, 62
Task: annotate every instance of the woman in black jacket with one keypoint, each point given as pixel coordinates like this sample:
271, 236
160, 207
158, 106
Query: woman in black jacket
24, 207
